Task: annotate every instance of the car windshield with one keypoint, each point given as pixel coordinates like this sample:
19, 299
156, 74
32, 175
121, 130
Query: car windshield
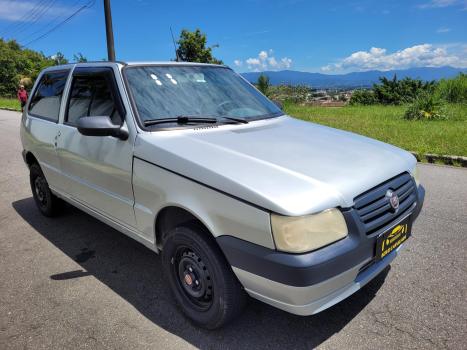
190, 92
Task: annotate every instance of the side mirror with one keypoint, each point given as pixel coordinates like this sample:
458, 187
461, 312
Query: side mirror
100, 126
278, 104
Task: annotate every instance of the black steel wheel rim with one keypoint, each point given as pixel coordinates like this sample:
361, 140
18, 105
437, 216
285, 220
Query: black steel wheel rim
40, 190
193, 278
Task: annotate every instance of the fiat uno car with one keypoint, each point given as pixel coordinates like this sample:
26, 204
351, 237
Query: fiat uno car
240, 199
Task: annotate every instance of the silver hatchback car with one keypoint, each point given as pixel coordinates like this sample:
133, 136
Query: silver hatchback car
194, 162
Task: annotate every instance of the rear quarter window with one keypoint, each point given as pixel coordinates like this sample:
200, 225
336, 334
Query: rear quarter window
45, 102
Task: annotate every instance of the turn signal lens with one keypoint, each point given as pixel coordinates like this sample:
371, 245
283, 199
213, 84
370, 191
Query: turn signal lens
416, 175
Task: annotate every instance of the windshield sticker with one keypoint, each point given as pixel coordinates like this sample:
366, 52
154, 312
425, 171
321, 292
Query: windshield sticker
169, 76
156, 79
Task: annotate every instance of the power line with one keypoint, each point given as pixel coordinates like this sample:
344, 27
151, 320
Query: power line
88, 5
48, 25
38, 16
21, 21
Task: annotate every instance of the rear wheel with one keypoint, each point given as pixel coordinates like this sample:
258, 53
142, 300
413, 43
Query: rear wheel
47, 203
201, 279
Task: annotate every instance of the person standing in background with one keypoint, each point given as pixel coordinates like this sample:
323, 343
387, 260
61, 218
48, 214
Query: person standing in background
22, 96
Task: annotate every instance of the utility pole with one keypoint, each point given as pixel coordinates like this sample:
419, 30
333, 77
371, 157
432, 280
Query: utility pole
109, 31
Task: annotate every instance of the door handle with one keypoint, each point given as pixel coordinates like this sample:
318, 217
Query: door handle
56, 138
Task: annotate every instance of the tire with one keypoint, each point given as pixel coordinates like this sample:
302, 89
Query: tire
47, 203
209, 294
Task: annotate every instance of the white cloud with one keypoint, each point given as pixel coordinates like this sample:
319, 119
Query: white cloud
266, 61
424, 55
253, 62
19, 10
443, 30
272, 62
442, 3
263, 55
286, 62
238, 63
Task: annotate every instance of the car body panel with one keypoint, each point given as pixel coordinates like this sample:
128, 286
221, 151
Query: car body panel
39, 135
156, 188
98, 171
288, 166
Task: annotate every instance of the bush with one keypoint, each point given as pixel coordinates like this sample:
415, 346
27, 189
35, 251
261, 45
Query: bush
363, 97
453, 90
396, 92
290, 93
426, 106
392, 91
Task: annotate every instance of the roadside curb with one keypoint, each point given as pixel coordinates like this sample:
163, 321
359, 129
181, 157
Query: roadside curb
459, 161
10, 109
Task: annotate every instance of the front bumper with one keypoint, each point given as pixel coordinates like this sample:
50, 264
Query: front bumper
306, 284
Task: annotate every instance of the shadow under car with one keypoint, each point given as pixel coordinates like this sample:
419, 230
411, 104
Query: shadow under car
135, 274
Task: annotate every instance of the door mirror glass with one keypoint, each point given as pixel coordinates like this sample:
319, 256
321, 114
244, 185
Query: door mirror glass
100, 126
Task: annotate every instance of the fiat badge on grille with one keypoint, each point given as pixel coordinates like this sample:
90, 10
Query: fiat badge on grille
393, 199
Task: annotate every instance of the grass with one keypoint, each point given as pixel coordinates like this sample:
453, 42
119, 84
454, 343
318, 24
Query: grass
387, 124
11, 103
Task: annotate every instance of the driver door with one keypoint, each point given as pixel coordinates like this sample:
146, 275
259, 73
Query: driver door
97, 169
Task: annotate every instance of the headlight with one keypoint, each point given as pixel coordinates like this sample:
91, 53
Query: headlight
416, 175
305, 233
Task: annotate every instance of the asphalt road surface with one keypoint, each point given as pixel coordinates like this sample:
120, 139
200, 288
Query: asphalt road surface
72, 282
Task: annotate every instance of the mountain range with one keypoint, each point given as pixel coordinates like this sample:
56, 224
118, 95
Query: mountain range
352, 80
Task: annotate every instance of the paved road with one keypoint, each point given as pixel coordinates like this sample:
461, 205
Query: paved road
73, 282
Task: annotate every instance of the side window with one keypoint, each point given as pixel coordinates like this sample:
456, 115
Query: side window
93, 95
45, 102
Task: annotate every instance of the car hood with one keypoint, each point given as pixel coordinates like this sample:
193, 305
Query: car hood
284, 165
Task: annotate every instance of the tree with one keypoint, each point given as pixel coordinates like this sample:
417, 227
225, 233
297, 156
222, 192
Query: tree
59, 58
192, 48
18, 65
263, 83
78, 57
393, 91
363, 97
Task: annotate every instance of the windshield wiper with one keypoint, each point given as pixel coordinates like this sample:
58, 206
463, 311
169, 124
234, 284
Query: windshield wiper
185, 119
181, 119
238, 120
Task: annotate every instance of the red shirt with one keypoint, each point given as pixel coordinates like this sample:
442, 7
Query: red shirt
22, 95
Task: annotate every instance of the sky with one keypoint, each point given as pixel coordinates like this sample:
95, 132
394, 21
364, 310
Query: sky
253, 35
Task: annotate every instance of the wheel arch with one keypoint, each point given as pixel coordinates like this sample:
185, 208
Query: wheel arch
30, 159
173, 216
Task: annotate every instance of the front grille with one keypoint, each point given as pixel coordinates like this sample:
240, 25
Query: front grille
374, 209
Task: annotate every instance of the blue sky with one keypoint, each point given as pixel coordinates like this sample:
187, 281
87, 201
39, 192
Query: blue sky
317, 36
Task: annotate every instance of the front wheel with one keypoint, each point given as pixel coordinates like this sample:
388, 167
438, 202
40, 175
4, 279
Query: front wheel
201, 279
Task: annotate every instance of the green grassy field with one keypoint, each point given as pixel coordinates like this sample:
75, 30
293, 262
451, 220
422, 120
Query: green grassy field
386, 123
12, 103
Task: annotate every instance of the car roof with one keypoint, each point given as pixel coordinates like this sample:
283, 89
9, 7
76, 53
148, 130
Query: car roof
171, 63
121, 64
